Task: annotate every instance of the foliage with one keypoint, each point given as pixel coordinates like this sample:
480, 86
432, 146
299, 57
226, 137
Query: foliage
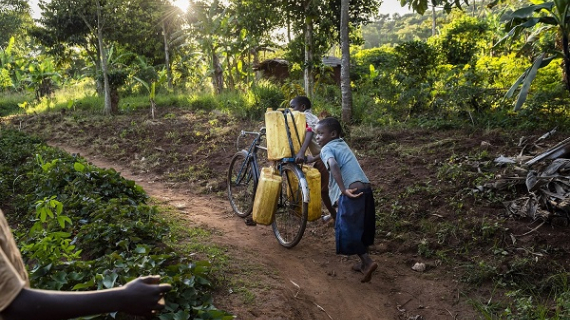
14, 17
416, 60
420, 6
91, 228
460, 40
532, 17
391, 30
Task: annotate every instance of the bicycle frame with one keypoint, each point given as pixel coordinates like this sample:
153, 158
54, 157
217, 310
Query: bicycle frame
252, 154
303, 180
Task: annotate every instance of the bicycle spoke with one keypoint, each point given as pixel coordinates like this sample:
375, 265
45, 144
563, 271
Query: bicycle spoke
241, 184
291, 216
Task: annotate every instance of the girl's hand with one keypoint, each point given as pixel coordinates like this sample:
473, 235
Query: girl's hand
351, 193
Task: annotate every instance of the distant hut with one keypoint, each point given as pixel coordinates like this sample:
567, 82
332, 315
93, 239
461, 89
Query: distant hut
334, 63
277, 69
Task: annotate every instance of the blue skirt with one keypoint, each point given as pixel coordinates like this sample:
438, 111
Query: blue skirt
355, 225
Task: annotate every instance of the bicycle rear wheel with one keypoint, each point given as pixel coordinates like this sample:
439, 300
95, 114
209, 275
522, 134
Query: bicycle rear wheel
291, 217
241, 183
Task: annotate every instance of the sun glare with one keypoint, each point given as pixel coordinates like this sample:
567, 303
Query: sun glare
182, 4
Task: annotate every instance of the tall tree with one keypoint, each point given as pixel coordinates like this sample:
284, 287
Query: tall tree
171, 25
97, 25
345, 90
254, 22
13, 15
317, 22
209, 24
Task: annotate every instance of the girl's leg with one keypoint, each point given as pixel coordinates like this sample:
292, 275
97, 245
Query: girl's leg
368, 266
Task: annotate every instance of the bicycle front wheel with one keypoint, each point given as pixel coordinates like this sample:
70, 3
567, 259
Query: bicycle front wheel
291, 217
241, 182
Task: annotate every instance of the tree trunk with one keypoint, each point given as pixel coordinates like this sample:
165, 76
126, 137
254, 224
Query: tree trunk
218, 76
167, 56
308, 72
566, 51
104, 67
114, 100
433, 15
345, 90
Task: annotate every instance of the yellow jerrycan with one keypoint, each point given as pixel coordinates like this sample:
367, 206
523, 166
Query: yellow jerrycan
266, 196
278, 146
313, 177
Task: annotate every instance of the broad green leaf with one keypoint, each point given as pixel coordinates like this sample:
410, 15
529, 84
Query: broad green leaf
535, 36
516, 30
527, 12
78, 166
57, 205
109, 280
181, 315
527, 82
84, 285
562, 8
61, 235
62, 220
141, 250
515, 85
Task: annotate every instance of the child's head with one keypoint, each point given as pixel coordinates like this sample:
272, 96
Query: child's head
328, 129
300, 103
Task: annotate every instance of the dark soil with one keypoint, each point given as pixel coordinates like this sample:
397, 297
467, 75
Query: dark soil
427, 211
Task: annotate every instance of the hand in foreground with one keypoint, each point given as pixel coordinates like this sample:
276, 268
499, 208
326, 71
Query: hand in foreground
144, 296
351, 193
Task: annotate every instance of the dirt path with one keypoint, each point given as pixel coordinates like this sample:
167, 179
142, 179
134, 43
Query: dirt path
309, 281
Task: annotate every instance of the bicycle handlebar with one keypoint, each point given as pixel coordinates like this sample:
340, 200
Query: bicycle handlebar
257, 140
261, 131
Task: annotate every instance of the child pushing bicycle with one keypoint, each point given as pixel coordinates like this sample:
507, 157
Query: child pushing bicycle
355, 223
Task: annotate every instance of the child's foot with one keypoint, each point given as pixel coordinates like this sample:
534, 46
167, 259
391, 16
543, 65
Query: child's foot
357, 267
368, 272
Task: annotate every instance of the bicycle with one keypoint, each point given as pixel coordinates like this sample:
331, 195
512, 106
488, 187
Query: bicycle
290, 218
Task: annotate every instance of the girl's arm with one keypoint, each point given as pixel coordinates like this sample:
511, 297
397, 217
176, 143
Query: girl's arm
142, 296
335, 171
300, 157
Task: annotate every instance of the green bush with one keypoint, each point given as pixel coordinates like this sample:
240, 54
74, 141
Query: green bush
84, 228
265, 95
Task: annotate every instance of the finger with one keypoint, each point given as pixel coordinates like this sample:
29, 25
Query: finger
151, 279
164, 287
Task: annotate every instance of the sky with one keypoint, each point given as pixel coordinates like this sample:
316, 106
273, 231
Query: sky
393, 6
388, 7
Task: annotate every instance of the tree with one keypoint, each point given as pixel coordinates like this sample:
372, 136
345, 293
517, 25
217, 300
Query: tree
210, 23
317, 22
542, 18
462, 39
420, 6
13, 15
96, 25
346, 93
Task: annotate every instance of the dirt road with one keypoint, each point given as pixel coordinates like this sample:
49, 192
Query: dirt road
308, 281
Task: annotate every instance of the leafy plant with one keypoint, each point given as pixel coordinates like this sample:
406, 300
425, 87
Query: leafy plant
97, 233
529, 18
